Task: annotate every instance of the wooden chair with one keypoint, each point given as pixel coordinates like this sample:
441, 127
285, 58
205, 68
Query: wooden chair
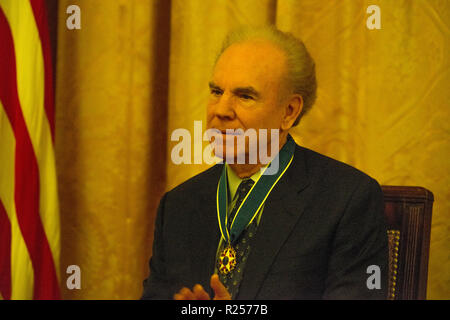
408, 214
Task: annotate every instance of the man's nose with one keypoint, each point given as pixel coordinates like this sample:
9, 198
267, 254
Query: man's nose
224, 108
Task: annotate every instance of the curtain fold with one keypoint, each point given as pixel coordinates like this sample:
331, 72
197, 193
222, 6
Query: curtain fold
137, 70
112, 86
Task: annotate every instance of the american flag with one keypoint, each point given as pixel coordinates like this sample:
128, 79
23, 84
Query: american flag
29, 213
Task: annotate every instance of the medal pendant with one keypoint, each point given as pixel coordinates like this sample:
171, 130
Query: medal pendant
227, 260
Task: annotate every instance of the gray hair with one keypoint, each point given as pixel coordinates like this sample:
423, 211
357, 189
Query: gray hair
301, 73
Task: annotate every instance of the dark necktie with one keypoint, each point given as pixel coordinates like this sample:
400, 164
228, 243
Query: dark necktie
242, 246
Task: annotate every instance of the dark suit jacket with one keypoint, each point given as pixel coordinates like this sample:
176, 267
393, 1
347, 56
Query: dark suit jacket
322, 226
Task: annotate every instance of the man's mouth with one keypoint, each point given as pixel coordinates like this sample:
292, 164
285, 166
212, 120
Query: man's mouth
232, 132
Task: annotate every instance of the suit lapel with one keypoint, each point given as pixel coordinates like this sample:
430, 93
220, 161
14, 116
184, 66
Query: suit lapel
283, 208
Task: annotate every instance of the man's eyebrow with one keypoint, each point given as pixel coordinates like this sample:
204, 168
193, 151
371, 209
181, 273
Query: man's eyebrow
238, 91
246, 90
212, 85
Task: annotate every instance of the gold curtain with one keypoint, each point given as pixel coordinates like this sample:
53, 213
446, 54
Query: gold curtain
138, 69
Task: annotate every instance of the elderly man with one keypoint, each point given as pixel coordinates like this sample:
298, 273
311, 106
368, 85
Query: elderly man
311, 230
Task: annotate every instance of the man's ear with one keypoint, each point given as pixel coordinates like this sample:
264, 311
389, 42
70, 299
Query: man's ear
293, 107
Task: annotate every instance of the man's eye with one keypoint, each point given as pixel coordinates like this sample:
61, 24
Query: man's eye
216, 92
246, 97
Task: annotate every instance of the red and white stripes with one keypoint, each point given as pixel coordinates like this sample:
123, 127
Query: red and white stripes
29, 213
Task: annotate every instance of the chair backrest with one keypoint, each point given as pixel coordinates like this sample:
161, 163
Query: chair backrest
408, 214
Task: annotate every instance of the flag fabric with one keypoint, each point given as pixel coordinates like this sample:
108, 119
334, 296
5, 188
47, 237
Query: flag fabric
29, 212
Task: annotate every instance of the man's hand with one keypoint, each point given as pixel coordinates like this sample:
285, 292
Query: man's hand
198, 293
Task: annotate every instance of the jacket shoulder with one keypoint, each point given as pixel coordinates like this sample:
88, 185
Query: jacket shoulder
333, 171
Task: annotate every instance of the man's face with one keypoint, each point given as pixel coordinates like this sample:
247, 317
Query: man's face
247, 90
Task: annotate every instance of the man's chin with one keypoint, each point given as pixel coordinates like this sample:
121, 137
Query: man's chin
233, 157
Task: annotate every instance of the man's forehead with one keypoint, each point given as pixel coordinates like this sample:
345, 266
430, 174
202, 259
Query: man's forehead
249, 63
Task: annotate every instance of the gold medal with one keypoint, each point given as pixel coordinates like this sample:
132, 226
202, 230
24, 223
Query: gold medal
227, 260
